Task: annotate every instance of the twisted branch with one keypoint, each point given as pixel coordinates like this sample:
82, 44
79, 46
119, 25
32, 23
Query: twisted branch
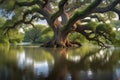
7, 28
80, 15
60, 11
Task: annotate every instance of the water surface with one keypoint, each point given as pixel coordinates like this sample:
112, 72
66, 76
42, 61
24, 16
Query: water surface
34, 63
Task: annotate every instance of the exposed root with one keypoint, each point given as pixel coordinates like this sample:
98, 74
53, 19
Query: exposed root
52, 44
55, 44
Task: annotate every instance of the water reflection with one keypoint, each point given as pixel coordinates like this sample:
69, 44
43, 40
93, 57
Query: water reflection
40, 68
117, 72
85, 63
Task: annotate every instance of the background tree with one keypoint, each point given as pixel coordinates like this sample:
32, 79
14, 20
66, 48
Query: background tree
64, 17
46, 35
39, 34
33, 34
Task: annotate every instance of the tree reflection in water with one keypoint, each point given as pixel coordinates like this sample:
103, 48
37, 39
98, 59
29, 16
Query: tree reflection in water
39, 68
83, 66
117, 72
85, 63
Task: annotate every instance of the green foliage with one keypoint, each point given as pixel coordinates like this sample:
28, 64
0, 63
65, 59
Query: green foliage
12, 36
8, 5
3, 39
38, 34
81, 14
4, 42
116, 25
33, 34
107, 31
2, 21
15, 36
8, 23
92, 25
18, 14
77, 37
46, 35
104, 28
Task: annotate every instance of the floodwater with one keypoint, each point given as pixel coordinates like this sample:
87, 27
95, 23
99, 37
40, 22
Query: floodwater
84, 63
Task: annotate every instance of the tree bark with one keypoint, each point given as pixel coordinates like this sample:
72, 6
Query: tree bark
59, 40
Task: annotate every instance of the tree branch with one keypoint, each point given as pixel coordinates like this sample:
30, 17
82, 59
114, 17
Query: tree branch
81, 29
80, 15
65, 17
98, 33
60, 11
33, 10
7, 28
75, 6
38, 10
108, 8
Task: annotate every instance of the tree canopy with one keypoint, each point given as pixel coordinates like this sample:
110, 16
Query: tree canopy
64, 17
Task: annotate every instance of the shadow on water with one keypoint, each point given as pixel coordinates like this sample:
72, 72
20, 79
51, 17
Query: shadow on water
85, 63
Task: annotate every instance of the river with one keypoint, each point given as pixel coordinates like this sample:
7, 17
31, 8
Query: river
35, 63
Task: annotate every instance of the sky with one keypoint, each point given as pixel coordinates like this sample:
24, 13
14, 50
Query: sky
42, 22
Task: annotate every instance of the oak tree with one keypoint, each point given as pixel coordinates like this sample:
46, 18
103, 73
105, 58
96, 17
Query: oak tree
63, 17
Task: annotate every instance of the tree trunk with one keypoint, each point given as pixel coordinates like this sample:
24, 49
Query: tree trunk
59, 40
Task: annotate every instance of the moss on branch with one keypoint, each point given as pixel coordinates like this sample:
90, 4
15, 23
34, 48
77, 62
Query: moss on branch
81, 14
100, 33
